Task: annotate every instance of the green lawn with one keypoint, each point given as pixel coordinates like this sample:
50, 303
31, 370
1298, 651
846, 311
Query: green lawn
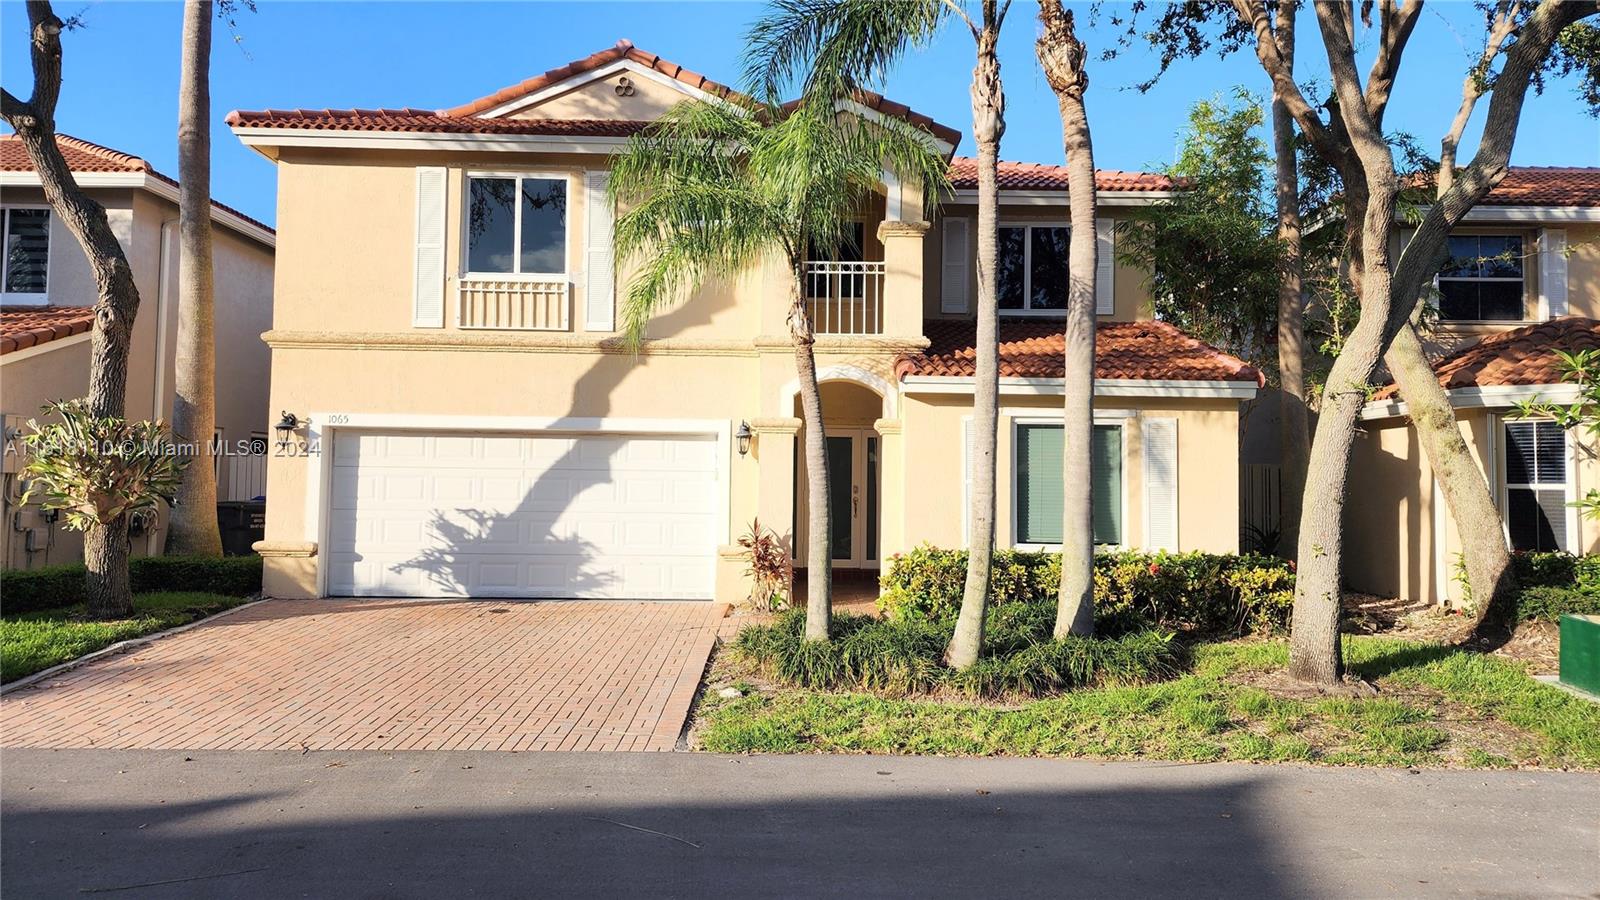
32, 642
1436, 707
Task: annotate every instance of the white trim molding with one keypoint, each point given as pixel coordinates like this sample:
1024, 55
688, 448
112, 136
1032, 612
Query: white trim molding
162, 188
1498, 396
46, 347
852, 374
1103, 387
573, 82
1529, 214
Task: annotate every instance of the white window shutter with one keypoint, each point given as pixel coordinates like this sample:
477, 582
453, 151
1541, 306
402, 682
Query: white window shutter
1553, 272
956, 264
427, 288
1159, 438
1105, 236
599, 255
966, 481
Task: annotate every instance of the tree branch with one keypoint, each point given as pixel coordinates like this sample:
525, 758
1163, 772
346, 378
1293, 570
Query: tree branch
1254, 12
1396, 26
1336, 22
1473, 87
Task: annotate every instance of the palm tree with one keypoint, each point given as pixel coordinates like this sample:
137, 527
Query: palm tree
193, 526
835, 47
716, 187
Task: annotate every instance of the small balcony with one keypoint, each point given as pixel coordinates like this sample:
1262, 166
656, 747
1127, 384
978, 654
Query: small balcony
514, 303
845, 297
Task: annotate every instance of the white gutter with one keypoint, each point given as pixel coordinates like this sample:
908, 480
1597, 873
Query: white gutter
1103, 387
158, 186
1527, 213
256, 137
1499, 396
46, 347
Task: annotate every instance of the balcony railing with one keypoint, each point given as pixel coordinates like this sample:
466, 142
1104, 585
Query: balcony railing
514, 304
845, 297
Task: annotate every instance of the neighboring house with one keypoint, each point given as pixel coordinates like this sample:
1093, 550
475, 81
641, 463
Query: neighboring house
1523, 282
471, 424
46, 316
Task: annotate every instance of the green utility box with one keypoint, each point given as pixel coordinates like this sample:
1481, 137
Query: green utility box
1580, 652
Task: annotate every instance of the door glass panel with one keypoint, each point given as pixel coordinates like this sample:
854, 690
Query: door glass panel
872, 498
841, 456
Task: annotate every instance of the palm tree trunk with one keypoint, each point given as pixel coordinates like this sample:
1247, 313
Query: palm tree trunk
1062, 56
819, 517
1490, 579
117, 296
988, 124
1294, 428
193, 526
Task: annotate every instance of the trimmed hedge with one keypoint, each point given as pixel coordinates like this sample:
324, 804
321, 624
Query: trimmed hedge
1554, 583
51, 587
1549, 604
1195, 592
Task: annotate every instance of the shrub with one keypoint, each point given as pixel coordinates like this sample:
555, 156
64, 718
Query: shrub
1544, 568
1198, 592
767, 567
1549, 604
904, 656
51, 587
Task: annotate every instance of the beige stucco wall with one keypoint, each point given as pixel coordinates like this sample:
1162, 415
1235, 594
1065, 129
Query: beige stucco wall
243, 281
641, 98
1400, 540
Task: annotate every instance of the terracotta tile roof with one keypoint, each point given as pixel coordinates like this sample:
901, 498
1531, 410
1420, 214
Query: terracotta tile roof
1522, 356
1146, 350
464, 119
1546, 186
29, 326
426, 120
86, 156
1021, 176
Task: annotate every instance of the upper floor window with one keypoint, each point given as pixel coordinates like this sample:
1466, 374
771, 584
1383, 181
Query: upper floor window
1536, 485
1032, 268
23, 269
517, 224
1482, 280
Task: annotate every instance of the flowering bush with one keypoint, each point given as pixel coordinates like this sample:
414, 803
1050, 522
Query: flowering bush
1196, 592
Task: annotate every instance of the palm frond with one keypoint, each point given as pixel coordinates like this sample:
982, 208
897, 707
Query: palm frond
833, 47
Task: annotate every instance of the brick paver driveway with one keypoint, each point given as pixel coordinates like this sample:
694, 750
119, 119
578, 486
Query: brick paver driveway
388, 675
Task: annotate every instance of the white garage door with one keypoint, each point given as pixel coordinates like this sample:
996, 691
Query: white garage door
548, 515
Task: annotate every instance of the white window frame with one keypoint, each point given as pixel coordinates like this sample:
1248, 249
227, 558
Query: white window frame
1027, 268
1567, 487
30, 298
516, 229
1522, 260
1118, 420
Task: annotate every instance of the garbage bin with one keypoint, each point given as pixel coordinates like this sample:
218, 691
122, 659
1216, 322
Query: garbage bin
242, 523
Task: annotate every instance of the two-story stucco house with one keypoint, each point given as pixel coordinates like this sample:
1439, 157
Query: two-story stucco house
1523, 282
470, 424
46, 316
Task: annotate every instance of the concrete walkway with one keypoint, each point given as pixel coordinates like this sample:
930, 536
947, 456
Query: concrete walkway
458, 824
388, 675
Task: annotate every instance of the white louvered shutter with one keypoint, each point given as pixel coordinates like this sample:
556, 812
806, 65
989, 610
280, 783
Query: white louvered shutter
1553, 272
427, 288
599, 255
1160, 441
955, 266
1105, 235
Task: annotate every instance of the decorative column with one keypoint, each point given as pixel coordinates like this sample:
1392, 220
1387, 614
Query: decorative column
902, 277
774, 453
892, 489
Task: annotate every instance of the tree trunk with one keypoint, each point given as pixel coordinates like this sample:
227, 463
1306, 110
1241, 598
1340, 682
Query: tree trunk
1294, 428
988, 125
193, 525
819, 517
1461, 479
117, 296
107, 594
1062, 55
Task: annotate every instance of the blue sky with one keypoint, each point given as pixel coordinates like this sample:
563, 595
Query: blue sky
121, 74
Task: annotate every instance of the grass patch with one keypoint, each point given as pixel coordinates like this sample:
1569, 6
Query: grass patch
1436, 707
34, 641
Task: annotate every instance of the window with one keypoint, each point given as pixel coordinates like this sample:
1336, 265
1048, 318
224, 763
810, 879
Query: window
517, 225
1032, 268
26, 236
1038, 484
1536, 485
1482, 280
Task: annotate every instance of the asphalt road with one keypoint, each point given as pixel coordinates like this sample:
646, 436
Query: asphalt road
143, 824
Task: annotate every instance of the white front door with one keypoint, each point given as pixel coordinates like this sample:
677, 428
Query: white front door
445, 514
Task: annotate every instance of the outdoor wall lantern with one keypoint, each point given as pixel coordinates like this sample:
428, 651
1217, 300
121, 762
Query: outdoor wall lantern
287, 423
743, 436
